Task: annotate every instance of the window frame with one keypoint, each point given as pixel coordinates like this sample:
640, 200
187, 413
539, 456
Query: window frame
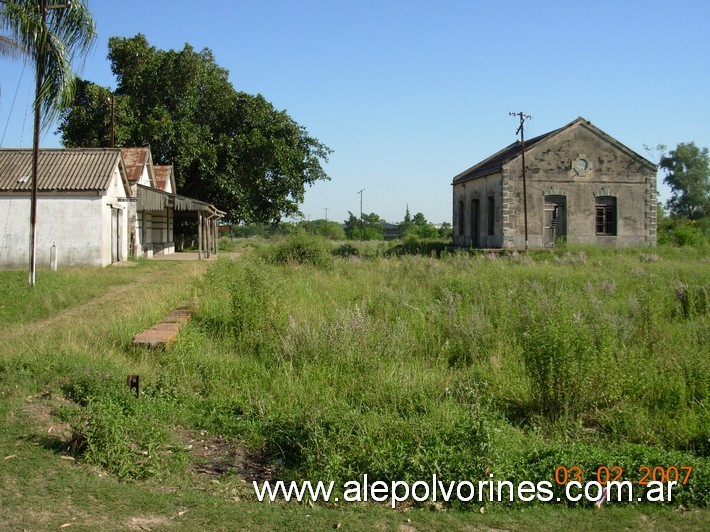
605, 216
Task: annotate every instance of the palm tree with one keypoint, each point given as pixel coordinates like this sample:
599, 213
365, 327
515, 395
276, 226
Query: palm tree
52, 36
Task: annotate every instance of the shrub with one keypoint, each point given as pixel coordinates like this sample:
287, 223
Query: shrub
302, 248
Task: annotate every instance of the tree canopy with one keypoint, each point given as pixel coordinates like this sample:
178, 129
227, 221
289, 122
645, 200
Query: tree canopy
229, 148
687, 171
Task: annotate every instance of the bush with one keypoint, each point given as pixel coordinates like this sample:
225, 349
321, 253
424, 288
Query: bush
302, 248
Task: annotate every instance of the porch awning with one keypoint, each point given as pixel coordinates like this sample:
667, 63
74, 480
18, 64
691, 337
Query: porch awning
151, 199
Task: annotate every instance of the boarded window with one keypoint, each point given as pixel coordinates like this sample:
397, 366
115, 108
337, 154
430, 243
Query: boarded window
605, 220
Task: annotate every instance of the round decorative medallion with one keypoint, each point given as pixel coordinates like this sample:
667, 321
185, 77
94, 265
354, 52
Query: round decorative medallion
580, 165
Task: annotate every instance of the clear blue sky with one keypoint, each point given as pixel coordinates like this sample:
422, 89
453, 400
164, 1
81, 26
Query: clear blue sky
410, 93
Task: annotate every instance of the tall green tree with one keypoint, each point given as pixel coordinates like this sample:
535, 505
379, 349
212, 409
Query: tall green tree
687, 171
229, 148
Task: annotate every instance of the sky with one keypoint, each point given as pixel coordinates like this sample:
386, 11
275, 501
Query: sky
410, 93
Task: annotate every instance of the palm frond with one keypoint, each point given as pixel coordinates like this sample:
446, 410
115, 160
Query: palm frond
53, 43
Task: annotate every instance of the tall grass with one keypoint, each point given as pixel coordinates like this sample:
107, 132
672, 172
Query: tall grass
460, 366
400, 367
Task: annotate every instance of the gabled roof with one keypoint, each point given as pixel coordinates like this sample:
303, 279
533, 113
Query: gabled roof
163, 175
60, 170
495, 162
135, 160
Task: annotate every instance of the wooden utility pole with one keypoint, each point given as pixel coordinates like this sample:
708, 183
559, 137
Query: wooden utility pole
113, 122
521, 130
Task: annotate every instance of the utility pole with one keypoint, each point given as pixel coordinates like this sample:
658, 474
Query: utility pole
113, 122
362, 222
521, 130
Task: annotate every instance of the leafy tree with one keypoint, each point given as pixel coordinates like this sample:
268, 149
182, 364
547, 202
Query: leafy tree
10, 48
419, 219
688, 175
446, 231
90, 124
324, 228
369, 228
228, 148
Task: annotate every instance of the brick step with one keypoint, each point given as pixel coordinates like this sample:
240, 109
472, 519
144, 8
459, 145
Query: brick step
162, 334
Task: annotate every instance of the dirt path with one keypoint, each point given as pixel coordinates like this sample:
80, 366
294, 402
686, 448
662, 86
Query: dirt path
114, 302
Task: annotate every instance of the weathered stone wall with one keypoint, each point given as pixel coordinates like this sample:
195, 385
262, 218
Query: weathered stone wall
557, 168
479, 189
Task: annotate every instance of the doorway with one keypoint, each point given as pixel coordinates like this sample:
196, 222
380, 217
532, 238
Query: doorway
115, 235
475, 227
555, 223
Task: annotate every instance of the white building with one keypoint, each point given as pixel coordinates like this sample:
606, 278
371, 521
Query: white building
81, 207
94, 207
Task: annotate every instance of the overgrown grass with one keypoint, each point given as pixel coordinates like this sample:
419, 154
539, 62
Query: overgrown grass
404, 367
397, 367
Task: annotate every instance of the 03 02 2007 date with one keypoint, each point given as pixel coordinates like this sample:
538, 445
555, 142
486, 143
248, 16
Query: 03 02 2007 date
604, 474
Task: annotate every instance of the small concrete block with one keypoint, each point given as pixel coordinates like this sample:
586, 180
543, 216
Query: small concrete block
170, 327
172, 318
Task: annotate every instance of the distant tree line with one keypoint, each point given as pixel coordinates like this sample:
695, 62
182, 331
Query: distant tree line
370, 227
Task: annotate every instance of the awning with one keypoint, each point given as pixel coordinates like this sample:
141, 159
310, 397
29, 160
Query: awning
151, 199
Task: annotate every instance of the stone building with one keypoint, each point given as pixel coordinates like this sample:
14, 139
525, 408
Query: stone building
583, 186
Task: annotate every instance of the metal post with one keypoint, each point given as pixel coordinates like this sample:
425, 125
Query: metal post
362, 222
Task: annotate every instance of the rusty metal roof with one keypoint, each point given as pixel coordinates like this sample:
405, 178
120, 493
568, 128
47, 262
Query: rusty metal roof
59, 170
135, 159
162, 175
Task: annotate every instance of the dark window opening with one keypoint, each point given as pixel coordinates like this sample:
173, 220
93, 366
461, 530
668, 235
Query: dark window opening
461, 218
605, 218
491, 215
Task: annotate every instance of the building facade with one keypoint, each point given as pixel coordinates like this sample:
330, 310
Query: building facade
95, 207
81, 210
583, 187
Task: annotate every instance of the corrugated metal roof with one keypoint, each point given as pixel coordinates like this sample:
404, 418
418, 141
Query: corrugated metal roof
151, 199
59, 170
134, 159
162, 175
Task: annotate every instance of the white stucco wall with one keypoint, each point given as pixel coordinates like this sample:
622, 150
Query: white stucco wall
78, 224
